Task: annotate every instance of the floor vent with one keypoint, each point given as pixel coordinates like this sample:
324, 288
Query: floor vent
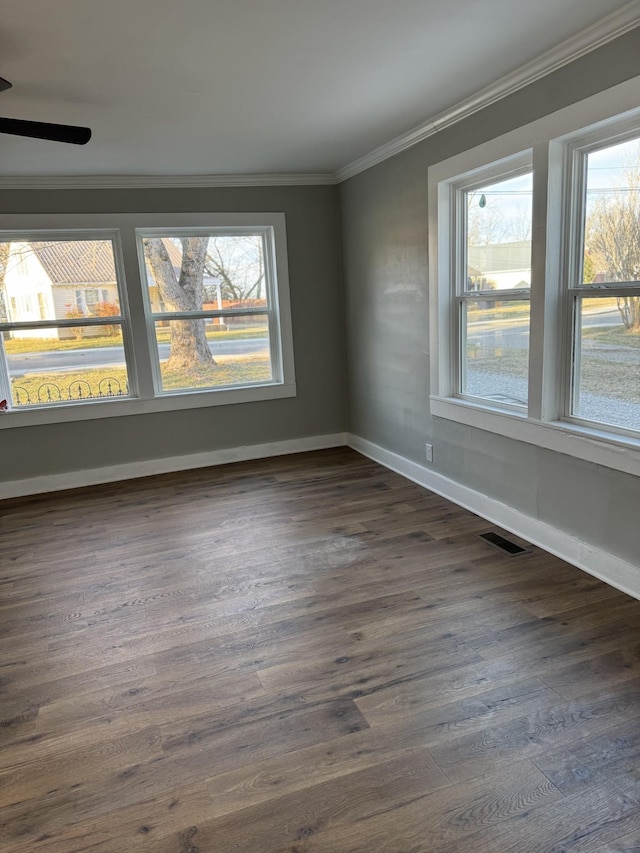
502, 543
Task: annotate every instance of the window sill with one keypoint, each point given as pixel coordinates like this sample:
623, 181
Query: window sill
593, 445
136, 406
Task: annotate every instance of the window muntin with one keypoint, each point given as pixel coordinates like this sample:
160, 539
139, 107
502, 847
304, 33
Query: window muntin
51, 351
492, 283
212, 301
90, 299
604, 285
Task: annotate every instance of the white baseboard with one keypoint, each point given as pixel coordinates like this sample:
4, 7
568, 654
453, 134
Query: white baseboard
607, 567
149, 467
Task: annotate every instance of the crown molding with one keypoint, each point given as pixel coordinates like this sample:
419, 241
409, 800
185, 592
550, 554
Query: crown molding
119, 182
614, 25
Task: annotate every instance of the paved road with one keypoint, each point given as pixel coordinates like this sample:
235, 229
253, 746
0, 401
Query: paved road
513, 334
57, 362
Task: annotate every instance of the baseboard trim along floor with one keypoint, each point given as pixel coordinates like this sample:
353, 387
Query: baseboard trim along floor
597, 562
166, 465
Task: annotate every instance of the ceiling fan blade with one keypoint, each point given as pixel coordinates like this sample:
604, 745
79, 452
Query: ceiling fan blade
44, 130
4, 84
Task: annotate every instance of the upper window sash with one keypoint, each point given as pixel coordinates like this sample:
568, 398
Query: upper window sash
110, 235
578, 147
267, 237
492, 176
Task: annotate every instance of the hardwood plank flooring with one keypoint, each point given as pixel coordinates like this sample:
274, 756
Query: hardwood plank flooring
305, 654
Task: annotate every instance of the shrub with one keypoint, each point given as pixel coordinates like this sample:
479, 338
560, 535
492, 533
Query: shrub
107, 309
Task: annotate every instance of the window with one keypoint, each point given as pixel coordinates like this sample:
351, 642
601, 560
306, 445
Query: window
604, 285
88, 298
139, 313
535, 284
65, 354
210, 302
492, 280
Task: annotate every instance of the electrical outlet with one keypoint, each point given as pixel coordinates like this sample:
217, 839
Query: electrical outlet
429, 449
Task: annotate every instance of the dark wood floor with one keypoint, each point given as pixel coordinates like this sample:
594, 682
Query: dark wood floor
305, 654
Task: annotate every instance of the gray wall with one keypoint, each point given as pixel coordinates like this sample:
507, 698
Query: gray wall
313, 238
384, 214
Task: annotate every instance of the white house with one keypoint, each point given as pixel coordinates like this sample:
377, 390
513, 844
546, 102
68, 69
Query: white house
500, 266
47, 281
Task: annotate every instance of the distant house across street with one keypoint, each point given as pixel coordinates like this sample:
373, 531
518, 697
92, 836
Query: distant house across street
52, 281
499, 266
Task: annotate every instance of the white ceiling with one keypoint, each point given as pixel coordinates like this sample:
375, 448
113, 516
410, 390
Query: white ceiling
254, 86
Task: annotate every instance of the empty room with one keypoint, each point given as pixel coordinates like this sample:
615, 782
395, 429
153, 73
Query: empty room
320, 426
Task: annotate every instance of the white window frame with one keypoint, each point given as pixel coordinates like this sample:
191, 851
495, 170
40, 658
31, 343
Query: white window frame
271, 312
143, 396
575, 161
34, 235
549, 142
456, 210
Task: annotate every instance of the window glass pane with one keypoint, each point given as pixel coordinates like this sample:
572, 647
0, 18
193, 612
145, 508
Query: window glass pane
495, 350
63, 365
57, 279
607, 362
612, 226
213, 353
210, 272
499, 235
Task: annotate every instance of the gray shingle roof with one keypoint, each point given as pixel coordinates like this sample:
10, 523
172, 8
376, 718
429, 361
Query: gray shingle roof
77, 261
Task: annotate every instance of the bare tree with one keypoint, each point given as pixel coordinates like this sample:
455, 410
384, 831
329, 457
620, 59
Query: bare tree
182, 292
519, 227
612, 238
485, 224
236, 262
488, 224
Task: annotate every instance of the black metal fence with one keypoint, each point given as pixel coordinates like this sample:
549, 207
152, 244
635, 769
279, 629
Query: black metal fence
50, 392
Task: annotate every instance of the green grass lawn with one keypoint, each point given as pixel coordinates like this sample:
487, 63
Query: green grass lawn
612, 336
227, 371
34, 388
